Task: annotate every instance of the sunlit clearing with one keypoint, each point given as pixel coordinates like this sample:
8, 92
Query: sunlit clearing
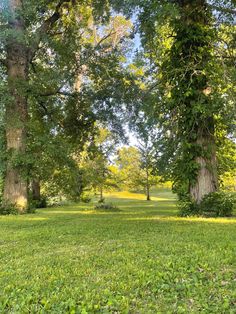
136, 196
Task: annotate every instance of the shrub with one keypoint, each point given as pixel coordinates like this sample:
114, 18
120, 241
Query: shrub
215, 204
11, 209
101, 200
188, 208
85, 198
107, 207
42, 203
8, 209
31, 210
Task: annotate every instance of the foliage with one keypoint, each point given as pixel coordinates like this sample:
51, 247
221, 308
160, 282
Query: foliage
135, 169
101, 200
109, 207
229, 181
216, 204
189, 91
11, 209
188, 208
81, 77
32, 209
42, 203
65, 182
75, 52
73, 259
95, 163
8, 209
227, 165
85, 198
63, 123
130, 175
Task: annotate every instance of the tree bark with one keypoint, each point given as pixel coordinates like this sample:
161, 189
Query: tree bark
36, 193
207, 178
194, 13
147, 185
18, 58
15, 185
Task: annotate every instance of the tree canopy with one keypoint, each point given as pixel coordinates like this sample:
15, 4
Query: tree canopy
164, 69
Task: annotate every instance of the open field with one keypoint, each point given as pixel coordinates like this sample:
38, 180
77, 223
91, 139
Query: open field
143, 259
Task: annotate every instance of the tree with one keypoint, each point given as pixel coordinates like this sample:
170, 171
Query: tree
189, 91
227, 165
22, 41
135, 168
128, 162
190, 97
63, 121
45, 46
51, 163
147, 154
98, 173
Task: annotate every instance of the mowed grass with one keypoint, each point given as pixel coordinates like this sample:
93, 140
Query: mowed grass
143, 259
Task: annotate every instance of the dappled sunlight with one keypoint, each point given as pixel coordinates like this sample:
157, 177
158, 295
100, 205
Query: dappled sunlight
84, 212
161, 199
33, 218
189, 219
146, 207
137, 196
23, 218
129, 204
65, 212
126, 194
201, 219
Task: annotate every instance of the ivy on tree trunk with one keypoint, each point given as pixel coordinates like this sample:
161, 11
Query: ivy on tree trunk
187, 72
15, 187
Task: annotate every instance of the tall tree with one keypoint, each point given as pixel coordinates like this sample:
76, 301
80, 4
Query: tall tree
189, 72
189, 91
66, 104
96, 162
17, 62
37, 38
21, 44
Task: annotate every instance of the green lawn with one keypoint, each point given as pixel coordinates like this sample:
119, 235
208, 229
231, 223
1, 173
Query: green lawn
143, 259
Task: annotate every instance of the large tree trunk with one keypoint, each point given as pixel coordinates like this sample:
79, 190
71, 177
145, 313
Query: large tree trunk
193, 14
207, 178
15, 185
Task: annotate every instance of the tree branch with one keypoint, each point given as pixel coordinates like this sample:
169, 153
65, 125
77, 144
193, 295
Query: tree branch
57, 92
46, 27
223, 9
49, 115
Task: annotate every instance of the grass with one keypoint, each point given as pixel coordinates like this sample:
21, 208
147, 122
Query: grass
143, 259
